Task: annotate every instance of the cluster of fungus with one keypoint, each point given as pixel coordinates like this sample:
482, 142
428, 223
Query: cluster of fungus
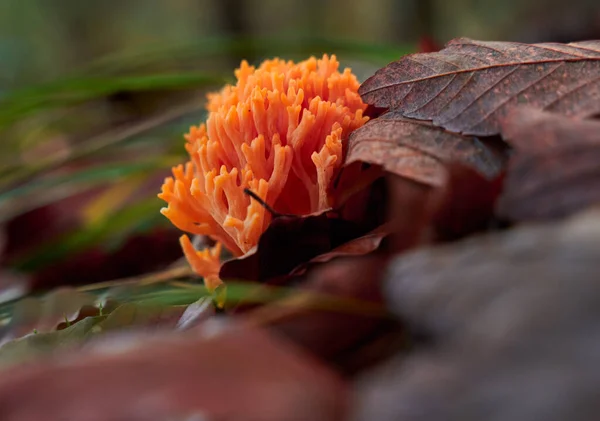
279, 132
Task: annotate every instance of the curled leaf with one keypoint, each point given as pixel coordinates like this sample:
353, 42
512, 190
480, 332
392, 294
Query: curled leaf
417, 150
289, 242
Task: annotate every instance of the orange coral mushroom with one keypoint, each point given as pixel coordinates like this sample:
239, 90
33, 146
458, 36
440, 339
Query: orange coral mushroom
278, 132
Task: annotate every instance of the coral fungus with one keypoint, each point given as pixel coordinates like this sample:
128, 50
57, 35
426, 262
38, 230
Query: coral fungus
278, 132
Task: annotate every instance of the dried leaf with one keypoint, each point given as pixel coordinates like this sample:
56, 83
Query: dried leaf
444, 288
466, 204
512, 323
554, 170
355, 247
236, 373
530, 130
417, 150
335, 309
420, 214
410, 210
471, 85
290, 242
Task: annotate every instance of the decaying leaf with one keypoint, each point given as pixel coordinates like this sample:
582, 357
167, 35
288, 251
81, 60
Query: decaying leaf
555, 168
410, 209
335, 310
530, 130
466, 204
419, 214
356, 247
417, 149
236, 373
513, 326
443, 288
292, 241
469, 86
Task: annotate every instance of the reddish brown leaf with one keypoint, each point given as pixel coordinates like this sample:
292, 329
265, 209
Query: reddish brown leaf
509, 320
288, 242
471, 85
555, 169
530, 130
344, 309
417, 149
353, 186
240, 373
420, 214
410, 210
466, 203
355, 247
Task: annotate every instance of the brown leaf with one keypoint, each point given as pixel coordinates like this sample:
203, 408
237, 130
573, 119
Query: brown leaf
445, 288
554, 170
420, 214
355, 247
292, 241
410, 210
335, 309
417, 149
512, 322
466, 203
238, 373
533, 131
471, 85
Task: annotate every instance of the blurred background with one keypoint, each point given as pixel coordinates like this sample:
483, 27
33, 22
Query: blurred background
95, 98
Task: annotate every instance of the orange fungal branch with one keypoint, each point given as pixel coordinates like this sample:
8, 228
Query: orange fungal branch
280, 133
